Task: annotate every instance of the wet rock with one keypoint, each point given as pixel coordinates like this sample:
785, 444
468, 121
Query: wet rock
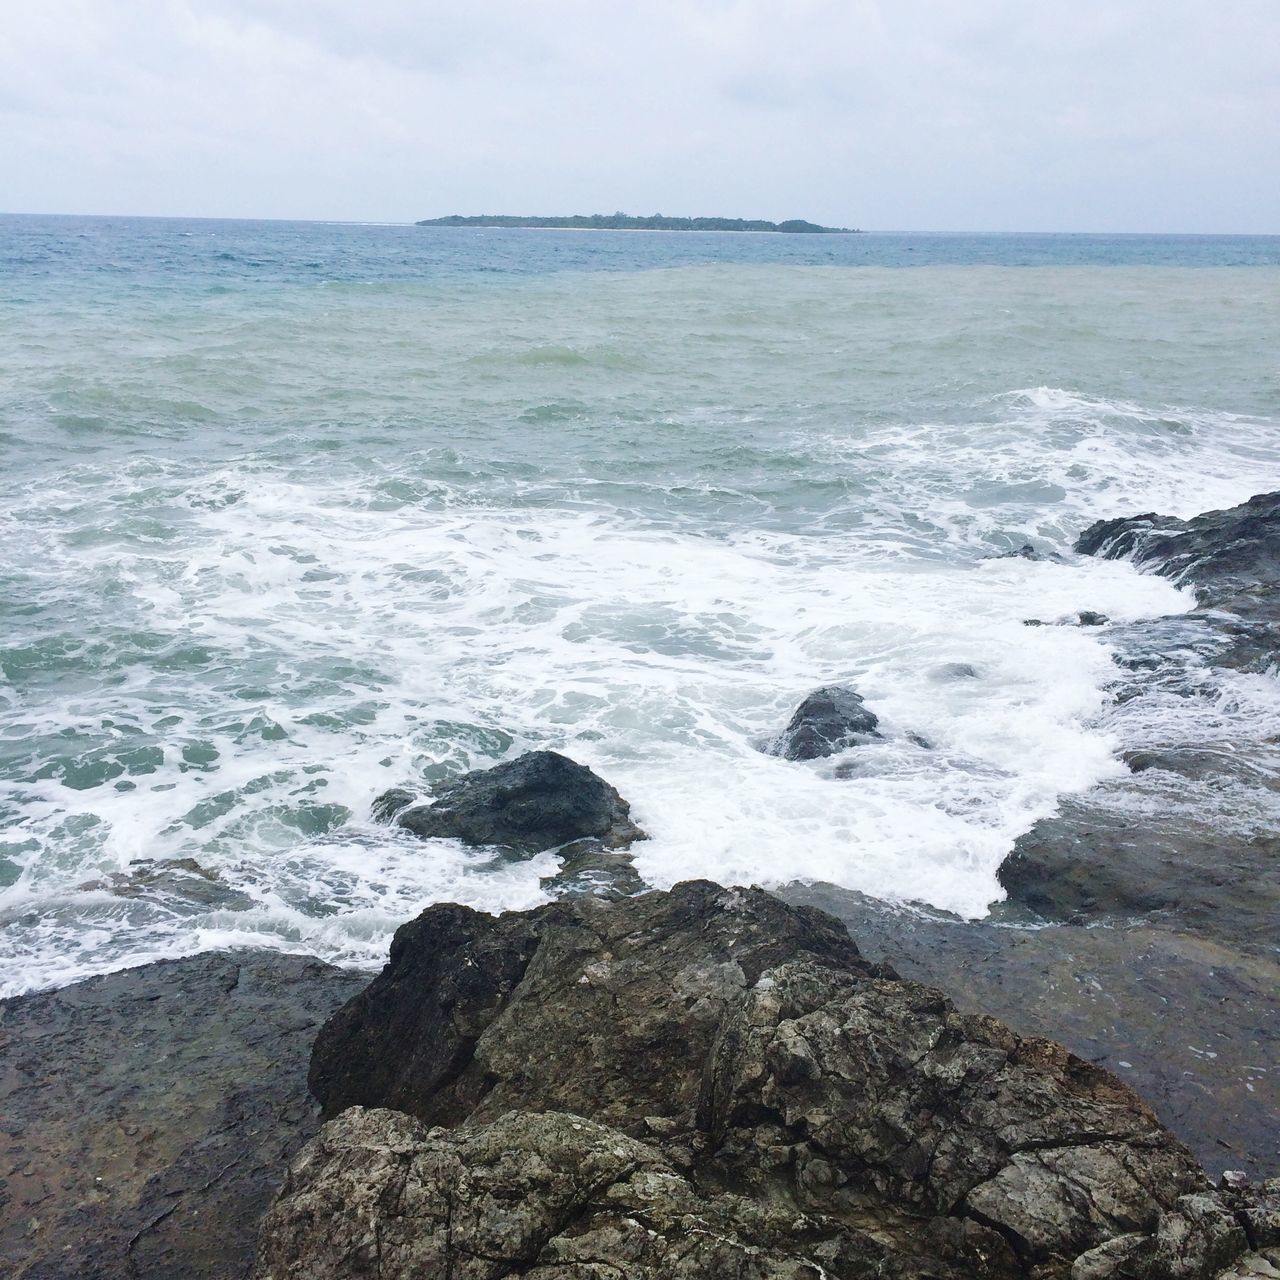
830, 719
700, 1083
1107, 994
174, 882
539, 801
954, 671
1093, 859
637, 986
587, 867
148, 1114
1029, 552
1231, 558
1088, 618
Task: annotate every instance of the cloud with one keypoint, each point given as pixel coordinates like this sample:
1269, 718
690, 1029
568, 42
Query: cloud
915, 114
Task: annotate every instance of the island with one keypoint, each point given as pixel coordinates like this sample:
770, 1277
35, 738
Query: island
627, 222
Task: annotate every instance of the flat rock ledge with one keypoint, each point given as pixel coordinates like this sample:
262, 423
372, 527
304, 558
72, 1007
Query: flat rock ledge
146, 1117
709, 1083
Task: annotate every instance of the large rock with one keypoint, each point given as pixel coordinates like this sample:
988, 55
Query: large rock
539, 801
1231, 558
830, 719
706, 1083
146, 1116
582, 1005
1106, 994
1093, 860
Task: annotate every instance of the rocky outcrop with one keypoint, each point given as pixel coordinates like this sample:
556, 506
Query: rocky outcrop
539, 801
596, 1007
1107, 995
1231, 558
1145, 847
830, 719
1093, 860
146, 1117
709, 1082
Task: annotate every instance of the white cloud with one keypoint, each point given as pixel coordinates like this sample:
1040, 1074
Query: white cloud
915, 114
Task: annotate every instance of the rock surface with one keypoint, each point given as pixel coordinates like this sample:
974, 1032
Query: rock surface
711, 1083
1183, 843
830, 719
178, 883
1107, 995
146, 1116
1231, 558
539, 801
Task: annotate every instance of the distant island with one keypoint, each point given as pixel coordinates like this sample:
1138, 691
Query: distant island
625, 222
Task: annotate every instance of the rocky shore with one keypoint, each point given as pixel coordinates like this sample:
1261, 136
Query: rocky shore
718, 1082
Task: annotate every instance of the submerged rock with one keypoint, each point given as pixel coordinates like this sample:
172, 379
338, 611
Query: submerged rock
830, 719
148, 1114
708, 1082
175, 882
539, 801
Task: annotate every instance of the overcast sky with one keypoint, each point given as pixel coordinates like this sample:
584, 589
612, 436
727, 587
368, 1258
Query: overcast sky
1097, 115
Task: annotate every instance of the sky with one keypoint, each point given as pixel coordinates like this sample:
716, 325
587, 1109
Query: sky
996, 115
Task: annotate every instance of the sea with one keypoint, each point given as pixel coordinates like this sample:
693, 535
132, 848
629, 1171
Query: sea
291, 513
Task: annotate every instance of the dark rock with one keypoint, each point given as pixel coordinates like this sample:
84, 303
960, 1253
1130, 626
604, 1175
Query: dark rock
1028, 552
1107, 995
587, 867
1087, 618
539, 801
1232, 558
176, 883
711, 1083
1094, 860
435, 1033
147, 1115
828, 720
390, 802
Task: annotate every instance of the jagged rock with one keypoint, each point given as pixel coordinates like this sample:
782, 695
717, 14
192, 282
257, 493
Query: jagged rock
1090, 618
436, 1034
539, 801
828, 720
147, 1116
753, 1100
1231, 557
1106, 995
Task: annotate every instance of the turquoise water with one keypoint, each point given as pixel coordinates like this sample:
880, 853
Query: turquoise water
295, 512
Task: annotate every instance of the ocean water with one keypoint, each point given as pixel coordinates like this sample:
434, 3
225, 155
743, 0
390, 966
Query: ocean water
291, 513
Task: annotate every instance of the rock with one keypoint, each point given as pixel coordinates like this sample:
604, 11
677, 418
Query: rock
539, 801
587, 867
828, 720
1028, 552
177, 883
954, 671
435, 1034
1106, 995
1232, 558
148, 1114
708, 1082
1088, 618
1091, 860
